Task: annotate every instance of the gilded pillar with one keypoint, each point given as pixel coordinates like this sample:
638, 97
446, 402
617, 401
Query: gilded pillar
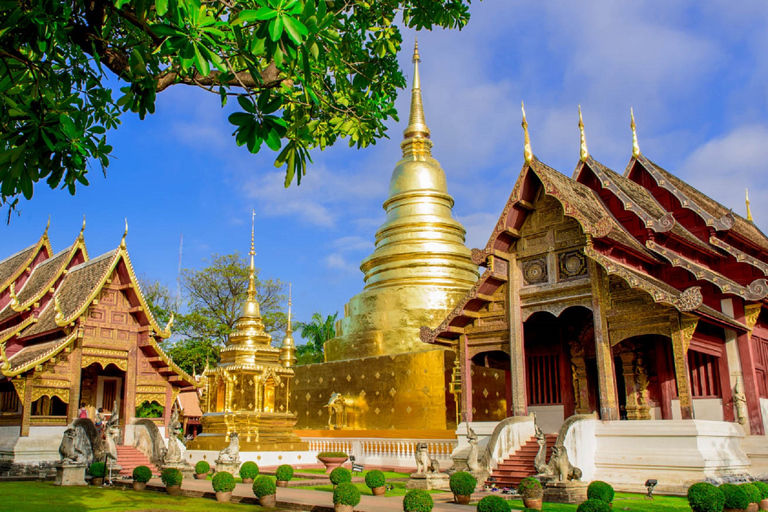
682, 327
168, 408
579, 377
749, 315
606, 378
131, 372
466, 379
630, 384
641, 387
516, 341
75, 373
27, 409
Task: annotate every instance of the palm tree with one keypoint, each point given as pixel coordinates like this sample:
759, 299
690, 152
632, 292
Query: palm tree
316, 332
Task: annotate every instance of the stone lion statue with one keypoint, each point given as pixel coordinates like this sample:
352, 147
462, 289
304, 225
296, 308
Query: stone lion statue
560, 468
68, 448
425, 463
232, 452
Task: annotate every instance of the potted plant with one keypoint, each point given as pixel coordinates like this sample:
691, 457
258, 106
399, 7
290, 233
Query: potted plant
223, 484
602, 491
375, 481
417, 500
462, 485
736, 498
763, 488
141, 475
332, 460
172, 478
532, 493
340, 476
283, 474
753, 493
594, 505
346, 496
202, 469
493, 504
265, 490
97, 470
248, 471
705, 497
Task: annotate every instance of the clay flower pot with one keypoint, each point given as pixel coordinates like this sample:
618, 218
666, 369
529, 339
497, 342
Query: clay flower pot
332, 463
223, 497
173, 490
268, 501
247, 480
734, 510
533, 503
764, 504
379, 491
201, 476
343, 508
139, 486
282, 483
752, 507
97, 481
462, 499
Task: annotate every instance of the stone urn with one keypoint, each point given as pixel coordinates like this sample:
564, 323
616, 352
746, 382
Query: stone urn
201, 476
379, 491
223, 497
462, 499
139, 486
247, 480
268, 501
173, 490
534, 503
97, 481
332, 463
282, 483
764, 504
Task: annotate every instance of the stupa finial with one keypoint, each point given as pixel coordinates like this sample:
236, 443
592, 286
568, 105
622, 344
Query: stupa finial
635, 145
749, 210
252, 275
583, 151
417, 133
527, 151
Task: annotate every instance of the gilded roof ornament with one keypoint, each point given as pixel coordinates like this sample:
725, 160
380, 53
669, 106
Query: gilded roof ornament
583, 151
81, 236
635, 145
749, 210
14, 304
527, 151
60, 319
47, 225
416, 135
169, 324
288, 347
125, 234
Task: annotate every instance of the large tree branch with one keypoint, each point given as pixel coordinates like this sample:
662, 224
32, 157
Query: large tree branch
270, 78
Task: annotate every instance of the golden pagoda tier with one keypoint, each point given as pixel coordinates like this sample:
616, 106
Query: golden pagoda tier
420, 267
249, 391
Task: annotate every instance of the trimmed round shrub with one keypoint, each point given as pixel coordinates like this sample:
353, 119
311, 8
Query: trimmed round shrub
346, 493
593, 505
763, 488
332, 454
530, 488
417, 500
602, 491
753, 493
171, 476
462, 483
264, 486
249, 470
223, 481
202, 467
340, 476
705, 497
97, 469
284, 473
142, 474
735, 496
375, 478
493, 504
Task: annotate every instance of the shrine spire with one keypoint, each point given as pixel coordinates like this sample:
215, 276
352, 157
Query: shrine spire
635, 145
583, 151
749, 210
527, 151
416, 135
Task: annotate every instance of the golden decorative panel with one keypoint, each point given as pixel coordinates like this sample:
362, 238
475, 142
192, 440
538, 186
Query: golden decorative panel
20, 385
150, 397
39, 392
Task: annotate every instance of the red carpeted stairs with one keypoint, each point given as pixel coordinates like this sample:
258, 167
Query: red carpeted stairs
520, 464
129, 457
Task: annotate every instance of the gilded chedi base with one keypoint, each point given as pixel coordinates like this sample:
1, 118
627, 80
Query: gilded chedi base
257, 432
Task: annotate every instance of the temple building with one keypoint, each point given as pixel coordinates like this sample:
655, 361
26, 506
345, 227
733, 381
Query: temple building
378, 373
75, 329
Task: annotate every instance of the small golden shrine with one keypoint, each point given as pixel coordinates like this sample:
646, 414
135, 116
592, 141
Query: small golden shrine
248, 393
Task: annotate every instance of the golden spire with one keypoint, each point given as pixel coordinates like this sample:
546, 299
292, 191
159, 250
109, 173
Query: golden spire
125, 234
288, 348
290, 286
252, 277
583, 151
749, 210
81, 236
416, 135
527, 147
635, 145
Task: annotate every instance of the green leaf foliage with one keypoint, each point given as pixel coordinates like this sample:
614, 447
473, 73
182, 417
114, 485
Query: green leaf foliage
97, 469
150, 410
223, 481
417, 500
493, 504
171, 476
735, 496
249, 469
375, 478
142, 474
753, 493
598, 490
315, 332
763, 488
314, 71
202, 467
705, 497
284, 473
264, 486
340, 476
346, 493
462, 483
530, 488
593, 505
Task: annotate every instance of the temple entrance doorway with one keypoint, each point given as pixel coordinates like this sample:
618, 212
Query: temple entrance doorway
491, 386
103, 388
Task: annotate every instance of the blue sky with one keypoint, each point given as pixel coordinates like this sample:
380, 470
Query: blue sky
696, 74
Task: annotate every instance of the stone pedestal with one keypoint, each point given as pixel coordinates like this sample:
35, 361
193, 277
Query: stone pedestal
229, 466
429, 481
186, 470
565, 492
70, 474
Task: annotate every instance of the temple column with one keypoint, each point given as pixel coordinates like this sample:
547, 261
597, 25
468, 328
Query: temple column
516, 341
73, 367
606, 378
628, 369
466, 379
26, 412
748, 315
130, 383
579, 377
168, 409
682, 327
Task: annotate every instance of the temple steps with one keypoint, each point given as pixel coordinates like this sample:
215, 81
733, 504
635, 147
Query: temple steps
129, 457
519, 465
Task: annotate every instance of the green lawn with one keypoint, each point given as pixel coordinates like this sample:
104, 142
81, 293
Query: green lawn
387, 474
622, 501
46, 497
399, 489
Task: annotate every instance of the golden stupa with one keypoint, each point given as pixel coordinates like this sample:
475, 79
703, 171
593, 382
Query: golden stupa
417, 273
249, 391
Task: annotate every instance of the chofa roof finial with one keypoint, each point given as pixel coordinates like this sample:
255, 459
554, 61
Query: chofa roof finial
583, 151
635, 145
527, 152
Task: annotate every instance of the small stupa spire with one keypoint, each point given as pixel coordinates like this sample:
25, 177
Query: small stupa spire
252, 276
635, 145
527, 151
583, 151
288, 348
416, 134
749, 210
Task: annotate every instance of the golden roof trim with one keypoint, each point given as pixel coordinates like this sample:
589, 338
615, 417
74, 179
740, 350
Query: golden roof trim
583, 151
17, 328
43, 242
749, 210
6, 363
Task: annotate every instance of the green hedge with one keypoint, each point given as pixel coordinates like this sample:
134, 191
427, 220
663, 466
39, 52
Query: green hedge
493, 504
284, 473
171, 476
223, 481
417, 500
340, 476
602, 491
249, 470
264, 486
763, 488
753, 493
97, 470
375, 478
332, 454
346, 493
530, 488
593, 505
202, 467
735, 496
142, 474
705, 497
462, 483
